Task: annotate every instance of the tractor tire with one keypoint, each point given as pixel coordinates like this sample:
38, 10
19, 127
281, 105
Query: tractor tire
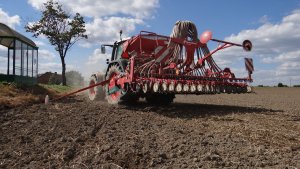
97, 92
160, 98
120, 95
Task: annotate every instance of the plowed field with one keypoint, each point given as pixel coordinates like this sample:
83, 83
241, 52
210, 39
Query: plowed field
211, 131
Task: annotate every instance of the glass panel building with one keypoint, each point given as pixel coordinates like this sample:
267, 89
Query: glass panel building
21, 57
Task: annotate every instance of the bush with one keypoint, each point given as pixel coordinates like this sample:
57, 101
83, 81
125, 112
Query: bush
74, 78
296, 86
54, 79
260, 86
281, 85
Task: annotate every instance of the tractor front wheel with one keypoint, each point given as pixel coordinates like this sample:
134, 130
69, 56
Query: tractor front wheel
114, 92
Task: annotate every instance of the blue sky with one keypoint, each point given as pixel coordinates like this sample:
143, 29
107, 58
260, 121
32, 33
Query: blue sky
272, 26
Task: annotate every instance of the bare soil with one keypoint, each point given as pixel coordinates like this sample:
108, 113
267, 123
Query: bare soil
205, 131
16, 95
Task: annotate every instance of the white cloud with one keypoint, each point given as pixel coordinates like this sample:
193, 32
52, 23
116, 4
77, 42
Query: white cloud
264, 19
265, 77
3, 60
37, 4
271, 77
3, 64
96, 63
49, 66
92, 8
50, 62
107, 30
273, 39
276, 45
11, 21
289, 69
52, 67
97, 58
39, 43
293, 56
3, 48
46, 55
108, 17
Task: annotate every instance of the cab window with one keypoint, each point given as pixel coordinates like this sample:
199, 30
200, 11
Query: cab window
119, 51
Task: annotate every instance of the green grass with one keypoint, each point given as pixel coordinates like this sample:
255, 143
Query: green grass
35, 89
58, 88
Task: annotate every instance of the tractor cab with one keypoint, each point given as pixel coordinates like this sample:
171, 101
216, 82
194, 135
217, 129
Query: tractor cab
117, 50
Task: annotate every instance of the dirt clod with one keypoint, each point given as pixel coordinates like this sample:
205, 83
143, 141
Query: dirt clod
70, 153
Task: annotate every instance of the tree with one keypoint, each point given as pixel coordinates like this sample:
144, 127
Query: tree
61, 31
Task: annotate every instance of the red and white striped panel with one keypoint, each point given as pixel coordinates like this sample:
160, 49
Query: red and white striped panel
249, 64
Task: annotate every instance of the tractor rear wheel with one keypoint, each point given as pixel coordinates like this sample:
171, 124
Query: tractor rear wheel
95, 93
160, 98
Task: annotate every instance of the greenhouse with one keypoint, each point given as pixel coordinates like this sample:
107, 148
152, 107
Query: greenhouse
19, 55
